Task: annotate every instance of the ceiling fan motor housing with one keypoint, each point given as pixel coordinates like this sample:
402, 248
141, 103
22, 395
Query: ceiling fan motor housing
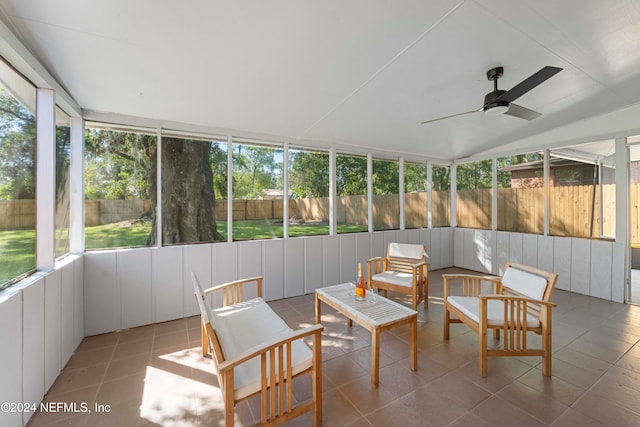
492, 105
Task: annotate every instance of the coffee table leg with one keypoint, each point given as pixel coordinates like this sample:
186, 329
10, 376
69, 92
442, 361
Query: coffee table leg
375, 356
317, 309
413, 343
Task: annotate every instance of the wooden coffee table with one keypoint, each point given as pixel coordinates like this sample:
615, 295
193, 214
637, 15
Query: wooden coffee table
376, 314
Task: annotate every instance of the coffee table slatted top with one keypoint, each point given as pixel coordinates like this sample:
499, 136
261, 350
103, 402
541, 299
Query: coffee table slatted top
374, 310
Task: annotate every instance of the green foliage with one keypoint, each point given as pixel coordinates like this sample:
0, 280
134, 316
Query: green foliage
117, 164
308, 174
351, 175
17, 149
441, 178
474, 175
385, 177
256, 168
415, 177
218, 161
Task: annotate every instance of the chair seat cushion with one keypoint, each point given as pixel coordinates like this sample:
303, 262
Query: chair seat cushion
247, 324
470, 306
394, 277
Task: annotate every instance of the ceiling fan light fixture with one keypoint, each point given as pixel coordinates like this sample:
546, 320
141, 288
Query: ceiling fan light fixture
495, 108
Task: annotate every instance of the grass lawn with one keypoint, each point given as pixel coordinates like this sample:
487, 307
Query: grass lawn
17, 247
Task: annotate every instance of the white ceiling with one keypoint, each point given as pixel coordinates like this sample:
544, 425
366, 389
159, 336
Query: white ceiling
361, 72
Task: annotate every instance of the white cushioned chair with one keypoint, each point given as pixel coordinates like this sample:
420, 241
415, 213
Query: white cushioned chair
403, 270
517, 303
255, 352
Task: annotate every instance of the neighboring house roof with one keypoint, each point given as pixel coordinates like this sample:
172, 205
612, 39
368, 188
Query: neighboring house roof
539, 164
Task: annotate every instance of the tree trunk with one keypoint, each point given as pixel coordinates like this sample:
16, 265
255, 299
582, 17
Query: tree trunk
188, 199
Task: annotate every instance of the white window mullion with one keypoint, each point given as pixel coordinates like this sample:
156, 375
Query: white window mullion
370, 192
429, 194
76, 186
45, 178
229, 189
401, 191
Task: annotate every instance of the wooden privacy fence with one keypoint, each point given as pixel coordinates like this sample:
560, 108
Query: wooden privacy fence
519, 209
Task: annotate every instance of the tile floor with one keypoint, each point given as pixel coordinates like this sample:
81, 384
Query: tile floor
155, 375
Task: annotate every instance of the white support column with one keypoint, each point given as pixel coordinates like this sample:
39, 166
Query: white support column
76, 185
285, 194
601, 195
401, 191
494, 195
547, 191
429, 194
45, 178
370, 192
159, 188
333, 193
454, 190
622, 242
229, 189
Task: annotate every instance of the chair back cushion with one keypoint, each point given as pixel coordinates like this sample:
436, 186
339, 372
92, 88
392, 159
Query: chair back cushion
525, 283
406, 250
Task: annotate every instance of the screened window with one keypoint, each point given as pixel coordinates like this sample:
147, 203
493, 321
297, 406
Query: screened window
386, 203
415, 195
194, 188
582, 199
17, 176
120, 186
473, 198
309, 192
441, 196
351, 187
258, 191
63, 159
520, 193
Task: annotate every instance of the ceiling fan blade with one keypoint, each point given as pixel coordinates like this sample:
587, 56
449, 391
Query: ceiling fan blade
452, 115
516, 110
529, 83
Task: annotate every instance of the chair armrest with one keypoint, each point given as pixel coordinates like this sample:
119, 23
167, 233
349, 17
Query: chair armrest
374, 266
471, 283
266, 346
233, 291
514, 298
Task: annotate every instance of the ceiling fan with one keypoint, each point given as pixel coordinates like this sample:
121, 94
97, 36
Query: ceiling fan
501, 101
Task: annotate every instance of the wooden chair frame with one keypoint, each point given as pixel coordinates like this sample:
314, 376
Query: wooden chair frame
516, 309
419, 290
276, 393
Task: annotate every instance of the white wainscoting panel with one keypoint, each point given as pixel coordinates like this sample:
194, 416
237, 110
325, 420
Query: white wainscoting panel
378, 247
618, 272
390, 236
276, 255
293, 267
530, 249
402, 236
580, 266
11, 361
562, 261
503, 250
412, 236
446, 246
331, 258
312, 263
197, 258
545, 253
166, 283
33, 388
601, 263
225, 266
348, 265
458, 253
250, 258
515, 247
102, 306
431, 240
67, 314
52, 327
134, 276
78, 298
363, 248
